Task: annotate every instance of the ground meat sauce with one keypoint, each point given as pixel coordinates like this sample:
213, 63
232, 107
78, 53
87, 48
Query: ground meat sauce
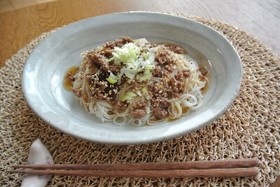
139, 110
160, 92
101, 89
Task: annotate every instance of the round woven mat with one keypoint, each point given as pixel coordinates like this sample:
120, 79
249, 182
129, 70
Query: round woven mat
250, 127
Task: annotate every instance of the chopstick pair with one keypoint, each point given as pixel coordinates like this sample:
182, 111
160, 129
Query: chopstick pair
219, 168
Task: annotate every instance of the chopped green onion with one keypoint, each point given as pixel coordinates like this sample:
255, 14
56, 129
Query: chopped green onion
145, 76
131, 59
145, 55
145, 91
112, 78
128, 96
128, 53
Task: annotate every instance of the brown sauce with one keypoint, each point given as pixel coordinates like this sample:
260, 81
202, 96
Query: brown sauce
69, 77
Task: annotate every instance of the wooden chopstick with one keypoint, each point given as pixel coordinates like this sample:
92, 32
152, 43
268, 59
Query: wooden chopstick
219, 168
229, 172
233, 163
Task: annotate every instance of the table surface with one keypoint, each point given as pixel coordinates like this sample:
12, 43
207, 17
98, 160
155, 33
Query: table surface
258, 17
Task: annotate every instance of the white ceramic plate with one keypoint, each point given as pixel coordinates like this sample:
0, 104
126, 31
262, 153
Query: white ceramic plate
47, 64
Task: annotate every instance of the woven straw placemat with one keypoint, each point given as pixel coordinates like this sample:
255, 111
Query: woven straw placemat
249, 128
